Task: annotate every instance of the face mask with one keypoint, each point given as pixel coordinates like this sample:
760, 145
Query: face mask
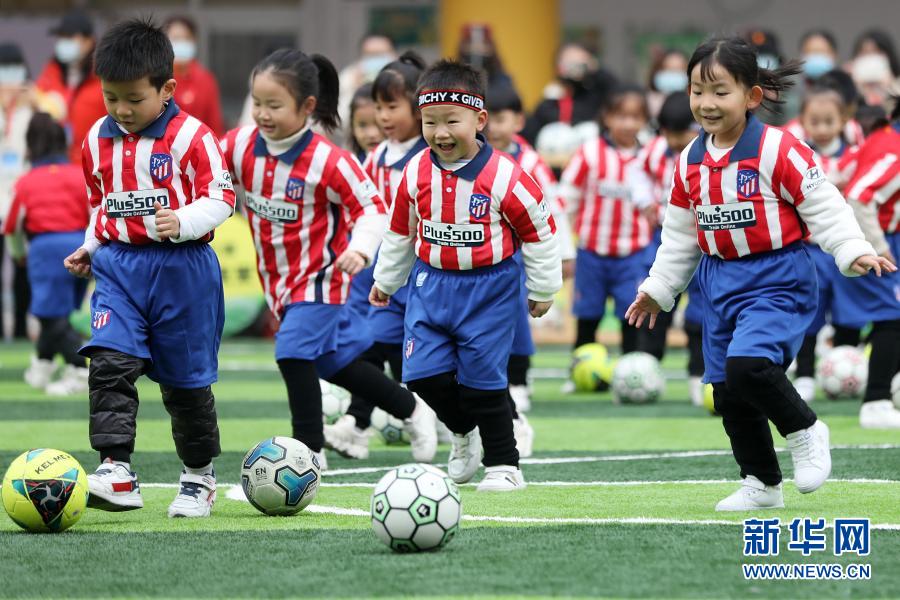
12, 74
670, 81
816, 65
371, 65
67, 50
767, 61
573, 72
184, 50
872, 68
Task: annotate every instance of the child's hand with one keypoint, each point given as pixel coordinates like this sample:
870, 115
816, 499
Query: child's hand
167, 224
568, 268
867, 262
378, 298
351, 262
79, 263
539, 309
642, 306
651, 213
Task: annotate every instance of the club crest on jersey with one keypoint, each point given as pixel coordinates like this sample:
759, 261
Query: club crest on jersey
747, 182
410, 346
161, 166
479, 204
100, 319
294, 189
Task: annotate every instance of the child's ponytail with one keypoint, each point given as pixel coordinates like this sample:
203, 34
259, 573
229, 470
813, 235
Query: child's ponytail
326, 112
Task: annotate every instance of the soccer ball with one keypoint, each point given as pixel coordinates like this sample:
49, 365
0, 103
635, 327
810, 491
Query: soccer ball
638, 379
335, 402
415, 507
390, 428
708, 399
280, 476
591, 368
895, 390
45, 490
843, 372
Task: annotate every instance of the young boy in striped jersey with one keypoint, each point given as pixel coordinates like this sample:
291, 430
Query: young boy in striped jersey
463, 210
158, 187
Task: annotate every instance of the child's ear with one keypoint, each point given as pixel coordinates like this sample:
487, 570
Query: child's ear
482, 120
309, 105
168, 90
520, 122
755, 97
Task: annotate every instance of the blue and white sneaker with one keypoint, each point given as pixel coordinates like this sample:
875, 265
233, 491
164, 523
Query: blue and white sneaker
196, 496
114, 488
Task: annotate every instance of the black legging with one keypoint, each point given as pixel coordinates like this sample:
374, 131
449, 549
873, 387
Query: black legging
59, 337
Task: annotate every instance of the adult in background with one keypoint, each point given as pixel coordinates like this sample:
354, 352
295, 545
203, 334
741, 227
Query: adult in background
667, 74
478, 49
70, 88
875, 67
197, 91
375, 52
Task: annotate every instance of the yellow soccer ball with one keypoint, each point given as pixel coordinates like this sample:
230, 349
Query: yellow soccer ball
45, 490
592, 369
708, 398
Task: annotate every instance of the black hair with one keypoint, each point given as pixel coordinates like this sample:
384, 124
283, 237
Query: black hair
362, 96
675, 113
895, 113
399, 79
452, 75
875, 117
304, 76
823, 91
841, 82
132, 50
185, 20
617, 96
883, 42
11, 55
738, 57
822, 33
503, 96
44, 137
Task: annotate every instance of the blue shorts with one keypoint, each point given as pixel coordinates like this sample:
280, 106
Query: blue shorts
597, 277
360, 286
461, 321
868, 299
523, 344
760, 306
386, 324
54, 291
826, 273
696, 303
163, 303
331, 335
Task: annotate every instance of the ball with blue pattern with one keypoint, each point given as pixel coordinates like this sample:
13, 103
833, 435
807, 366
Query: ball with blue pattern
280, 476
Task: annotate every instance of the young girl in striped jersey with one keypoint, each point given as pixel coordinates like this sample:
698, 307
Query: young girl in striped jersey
302, 191
364, 132
612, 232
743, 198
393, 93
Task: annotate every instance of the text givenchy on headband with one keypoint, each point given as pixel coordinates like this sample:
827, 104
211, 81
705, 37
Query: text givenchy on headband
457, 97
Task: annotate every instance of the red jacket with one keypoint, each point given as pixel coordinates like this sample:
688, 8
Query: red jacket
49, 198
84, 103
197, 93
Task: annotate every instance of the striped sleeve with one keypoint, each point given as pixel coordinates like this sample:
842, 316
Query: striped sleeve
90, 150
678, 192
798, 170
876, 182
572, 181
369, 164
398, 251
359, 195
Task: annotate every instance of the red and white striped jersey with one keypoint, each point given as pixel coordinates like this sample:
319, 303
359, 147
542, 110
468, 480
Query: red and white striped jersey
387, 176
475, 216
175, 161
853, 132
300, 206
744, 203
532, 163
48, 198
658, 162
839, 166
593, 185
877, 178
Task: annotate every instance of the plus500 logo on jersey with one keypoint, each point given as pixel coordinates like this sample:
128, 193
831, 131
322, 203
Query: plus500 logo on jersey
726, 216
139, 203
452, 234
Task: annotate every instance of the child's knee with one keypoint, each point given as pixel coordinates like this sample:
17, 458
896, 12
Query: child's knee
745, 372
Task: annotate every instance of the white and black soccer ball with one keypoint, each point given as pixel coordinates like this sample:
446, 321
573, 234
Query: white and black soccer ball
280, 476
895, 390
335, 402
638, 379
843, 372
390, 428
415, 507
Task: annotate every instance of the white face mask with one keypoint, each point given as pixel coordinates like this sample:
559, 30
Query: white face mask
13, 74
185, 50
872, 68
67, 50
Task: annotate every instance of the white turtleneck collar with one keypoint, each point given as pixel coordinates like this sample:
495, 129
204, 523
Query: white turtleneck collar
279, 147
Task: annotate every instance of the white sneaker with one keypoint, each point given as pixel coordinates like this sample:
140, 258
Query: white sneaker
465, 456
73, 381
39, 374
319, 457
695, 389
443, 433
753, 495
196, 496
521, 397
114, 488
806, 387
502, 478
524, 433
421, 427
811, 455
348, 440
568, 387
879, 414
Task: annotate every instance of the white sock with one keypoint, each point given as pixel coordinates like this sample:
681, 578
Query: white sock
207, 470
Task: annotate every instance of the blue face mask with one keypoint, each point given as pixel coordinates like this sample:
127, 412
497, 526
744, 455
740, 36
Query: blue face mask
816, 65
371, 65
184, 50
767, 61
670, 81
67, 50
